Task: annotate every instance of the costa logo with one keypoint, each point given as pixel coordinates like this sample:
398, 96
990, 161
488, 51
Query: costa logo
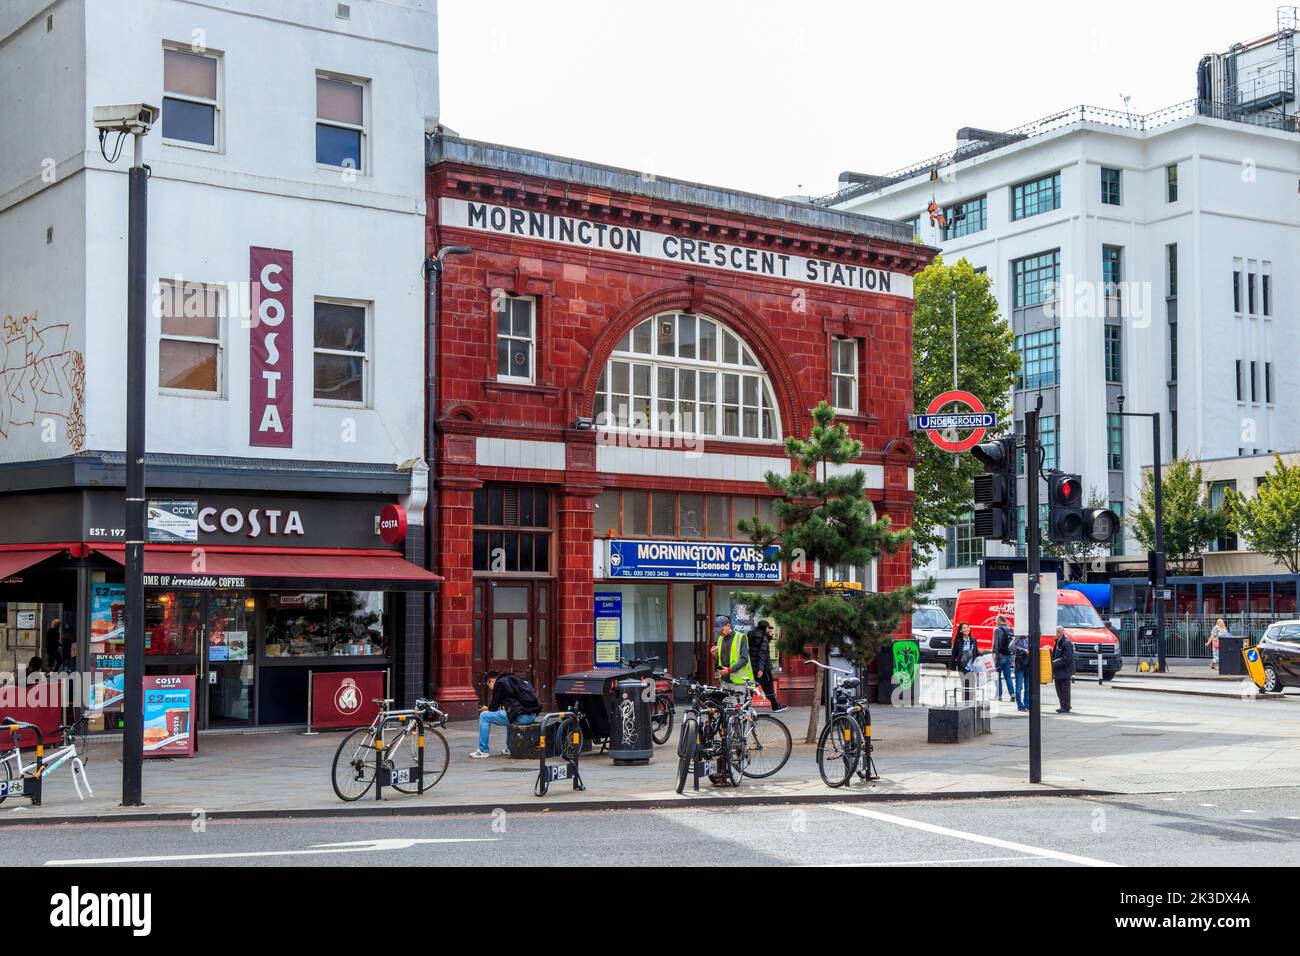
255, 520
392, 523
348, 697
271, 349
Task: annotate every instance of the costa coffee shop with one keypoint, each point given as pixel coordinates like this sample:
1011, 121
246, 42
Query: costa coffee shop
619, 360
249, 592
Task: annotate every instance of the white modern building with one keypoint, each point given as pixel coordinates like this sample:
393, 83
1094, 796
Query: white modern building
286, 238
1149, 256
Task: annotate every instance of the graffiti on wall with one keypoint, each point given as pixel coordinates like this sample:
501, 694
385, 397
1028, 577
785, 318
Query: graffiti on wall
42, 381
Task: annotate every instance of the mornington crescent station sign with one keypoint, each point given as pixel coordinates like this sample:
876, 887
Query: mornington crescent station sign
604, 237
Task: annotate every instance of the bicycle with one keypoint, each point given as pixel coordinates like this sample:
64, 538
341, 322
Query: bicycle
712, 741
42, 767
768, 742
845, 742
353, 772
662, 710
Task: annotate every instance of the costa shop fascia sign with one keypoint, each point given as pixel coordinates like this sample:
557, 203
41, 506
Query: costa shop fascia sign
270, 342
668, 247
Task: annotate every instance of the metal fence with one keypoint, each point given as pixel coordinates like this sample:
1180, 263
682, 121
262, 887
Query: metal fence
1185, 636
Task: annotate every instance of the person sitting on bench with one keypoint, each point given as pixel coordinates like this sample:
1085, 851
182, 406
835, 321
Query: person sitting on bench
512, 701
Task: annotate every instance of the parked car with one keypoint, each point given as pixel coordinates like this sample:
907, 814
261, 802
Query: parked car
980, 607
1279, 652
932, 629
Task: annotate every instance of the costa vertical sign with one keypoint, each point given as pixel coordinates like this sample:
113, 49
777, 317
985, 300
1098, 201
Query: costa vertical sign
270, 406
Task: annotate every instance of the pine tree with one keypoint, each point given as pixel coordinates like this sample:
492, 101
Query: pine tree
824, 519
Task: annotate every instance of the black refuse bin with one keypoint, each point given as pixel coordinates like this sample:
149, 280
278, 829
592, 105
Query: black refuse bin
901, 658
1231, 663
629, 730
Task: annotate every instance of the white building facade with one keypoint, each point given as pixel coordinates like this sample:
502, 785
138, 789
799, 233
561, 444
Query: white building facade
288, 165
1145, 256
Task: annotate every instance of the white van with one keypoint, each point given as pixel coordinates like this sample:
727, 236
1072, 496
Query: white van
932, 631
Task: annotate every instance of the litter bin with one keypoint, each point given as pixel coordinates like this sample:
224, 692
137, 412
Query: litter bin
898, 670
1231, 663
629, 731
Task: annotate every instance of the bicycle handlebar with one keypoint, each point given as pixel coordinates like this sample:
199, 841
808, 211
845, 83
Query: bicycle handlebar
827, 667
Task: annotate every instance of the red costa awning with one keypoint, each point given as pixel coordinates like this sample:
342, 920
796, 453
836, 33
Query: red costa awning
341, 570
11, 562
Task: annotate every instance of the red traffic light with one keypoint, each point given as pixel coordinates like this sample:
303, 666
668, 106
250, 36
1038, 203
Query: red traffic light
1066, 492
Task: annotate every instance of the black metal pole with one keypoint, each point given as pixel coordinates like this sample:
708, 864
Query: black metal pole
1033, 532
1158, 585
136, 331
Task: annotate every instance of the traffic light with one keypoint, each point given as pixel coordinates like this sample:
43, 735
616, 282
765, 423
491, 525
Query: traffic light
1100, 524
1064, 508
995, 490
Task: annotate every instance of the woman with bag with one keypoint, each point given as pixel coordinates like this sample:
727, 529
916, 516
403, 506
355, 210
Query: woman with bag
964, 653
1220, 630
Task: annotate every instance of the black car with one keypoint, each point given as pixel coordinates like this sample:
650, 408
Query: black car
1279, 650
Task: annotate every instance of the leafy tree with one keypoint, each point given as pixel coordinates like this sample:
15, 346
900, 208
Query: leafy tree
1270, 521
824, 516
987, 364
1191, 525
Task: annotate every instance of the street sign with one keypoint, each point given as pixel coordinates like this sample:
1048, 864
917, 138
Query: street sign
934, 422
1046, 605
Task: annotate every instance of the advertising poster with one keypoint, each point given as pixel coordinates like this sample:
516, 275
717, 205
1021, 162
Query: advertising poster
169, 716
609, 628
108, 614
108, 686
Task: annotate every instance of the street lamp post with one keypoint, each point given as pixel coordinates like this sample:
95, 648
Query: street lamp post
135, 120
1156, 559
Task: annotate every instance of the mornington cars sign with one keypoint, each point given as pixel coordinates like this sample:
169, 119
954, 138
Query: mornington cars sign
666, 247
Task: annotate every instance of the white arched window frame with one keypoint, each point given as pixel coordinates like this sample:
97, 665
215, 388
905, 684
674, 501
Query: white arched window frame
684, 374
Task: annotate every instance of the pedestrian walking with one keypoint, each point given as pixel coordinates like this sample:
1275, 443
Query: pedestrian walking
760, 656
1002, 656
1063, 669
731, 653
54, 645
1219, 631
1020, 651
964, 652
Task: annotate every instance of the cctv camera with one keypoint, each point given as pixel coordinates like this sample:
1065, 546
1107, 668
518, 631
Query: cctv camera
134, 118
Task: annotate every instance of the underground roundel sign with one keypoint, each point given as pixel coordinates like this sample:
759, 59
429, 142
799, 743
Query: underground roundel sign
952, 413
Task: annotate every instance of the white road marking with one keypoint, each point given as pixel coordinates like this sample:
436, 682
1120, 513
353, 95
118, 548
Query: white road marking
1248, 811
973, 837
966, 861
1205, 804
355, 846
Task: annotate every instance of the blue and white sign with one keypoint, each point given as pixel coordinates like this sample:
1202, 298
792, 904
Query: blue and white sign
950, 422
690, 561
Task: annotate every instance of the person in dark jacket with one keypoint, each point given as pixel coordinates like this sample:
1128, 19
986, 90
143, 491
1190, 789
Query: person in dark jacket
1020, 651
1003, 657
511, 701
760, 657
964, 650
1063, 669
54, 645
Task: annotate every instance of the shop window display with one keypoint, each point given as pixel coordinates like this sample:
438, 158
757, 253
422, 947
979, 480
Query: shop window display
325, 624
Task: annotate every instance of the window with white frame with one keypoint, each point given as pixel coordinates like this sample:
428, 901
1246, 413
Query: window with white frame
844, 374
516, 338
686, 374
340, 122
191, 97
190, 353
340, 354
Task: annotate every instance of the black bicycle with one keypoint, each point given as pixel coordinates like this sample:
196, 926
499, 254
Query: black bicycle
845, 742
662, 709
712, 741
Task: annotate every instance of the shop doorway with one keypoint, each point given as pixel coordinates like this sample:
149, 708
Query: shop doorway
174, 639
517, 624
703, 631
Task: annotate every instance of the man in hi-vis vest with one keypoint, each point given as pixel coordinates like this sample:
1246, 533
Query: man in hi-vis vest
732, 653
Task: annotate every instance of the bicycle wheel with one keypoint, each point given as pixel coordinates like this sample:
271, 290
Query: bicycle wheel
354, 765
686, 745
661, 720
736, 748
436, 757
569, 737
769, 746
838, 751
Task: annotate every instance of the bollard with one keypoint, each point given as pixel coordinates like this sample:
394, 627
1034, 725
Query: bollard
560, 739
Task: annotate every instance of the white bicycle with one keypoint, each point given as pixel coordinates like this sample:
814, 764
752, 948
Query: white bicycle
15, 770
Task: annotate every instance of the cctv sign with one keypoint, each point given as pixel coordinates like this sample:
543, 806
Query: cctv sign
270, 406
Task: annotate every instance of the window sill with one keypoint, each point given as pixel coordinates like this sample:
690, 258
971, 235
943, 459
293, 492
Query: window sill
328, 403
860, 418
506, 385
186, 144
187, 393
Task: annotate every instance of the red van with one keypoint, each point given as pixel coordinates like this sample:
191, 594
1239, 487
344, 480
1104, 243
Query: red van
980, 607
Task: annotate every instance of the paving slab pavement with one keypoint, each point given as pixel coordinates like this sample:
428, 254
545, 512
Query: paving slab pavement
1113, 742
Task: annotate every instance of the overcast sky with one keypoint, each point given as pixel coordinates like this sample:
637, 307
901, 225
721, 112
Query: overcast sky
779, 96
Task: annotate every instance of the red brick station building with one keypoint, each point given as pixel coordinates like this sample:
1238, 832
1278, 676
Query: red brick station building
617, 362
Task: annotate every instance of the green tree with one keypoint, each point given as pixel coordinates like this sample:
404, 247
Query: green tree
987, 364
824, 516
1191, 525
1270, 521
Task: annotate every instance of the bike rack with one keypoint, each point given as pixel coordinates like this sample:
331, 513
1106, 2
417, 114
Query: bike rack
549, 749
388, 777
25, 785
869, 771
